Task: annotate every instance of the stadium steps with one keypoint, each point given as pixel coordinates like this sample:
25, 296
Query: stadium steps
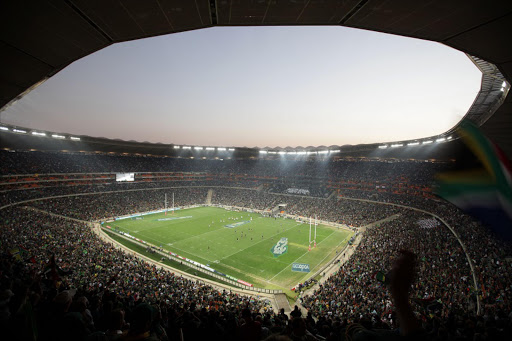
333, 194
282, 302
276, 209
209, 197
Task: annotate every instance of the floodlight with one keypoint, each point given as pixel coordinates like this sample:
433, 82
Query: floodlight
4, 128
263, 152
309, 153
75, 138
442, 139
334, 151
323, 152
413, 144
38, 133
302, 153
198, 148
449, 137
383, 146
231, 149
58, 136
221, 149
177, 147
504, 84
282, 152
396, 145
272, 152
210, 148
187, 147
427, 142
19, 131
292, 153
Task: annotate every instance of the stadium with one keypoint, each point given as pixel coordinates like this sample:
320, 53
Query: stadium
191, 242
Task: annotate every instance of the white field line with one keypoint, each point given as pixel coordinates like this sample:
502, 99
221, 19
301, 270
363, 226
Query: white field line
234, 253
192, 236
204, 256
193, 254
261, 241
240, 250
328, 254
174, 247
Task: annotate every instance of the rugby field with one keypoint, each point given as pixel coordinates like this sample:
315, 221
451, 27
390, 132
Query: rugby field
239, 244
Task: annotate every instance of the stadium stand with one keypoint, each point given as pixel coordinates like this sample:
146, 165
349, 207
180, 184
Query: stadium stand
41, 38
61, 281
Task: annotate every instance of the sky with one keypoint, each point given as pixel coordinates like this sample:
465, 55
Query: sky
257, 87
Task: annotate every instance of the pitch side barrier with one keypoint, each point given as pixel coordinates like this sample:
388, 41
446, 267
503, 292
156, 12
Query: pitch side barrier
194, 265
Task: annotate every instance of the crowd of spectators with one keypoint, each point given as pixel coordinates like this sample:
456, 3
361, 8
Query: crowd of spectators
301, 189
444, 293
97, 206
492, 257
59, 281
341, 211
317, 177
14, 196
35, 162
444, 284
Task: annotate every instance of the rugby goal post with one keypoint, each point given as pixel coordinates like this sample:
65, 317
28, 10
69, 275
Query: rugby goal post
310, 240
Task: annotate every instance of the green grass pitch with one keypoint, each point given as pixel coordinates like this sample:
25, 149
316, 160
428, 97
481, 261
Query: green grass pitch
244, 251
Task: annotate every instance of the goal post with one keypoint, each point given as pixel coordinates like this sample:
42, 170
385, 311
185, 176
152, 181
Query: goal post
316, 224
165, 203
309, 243
310, 228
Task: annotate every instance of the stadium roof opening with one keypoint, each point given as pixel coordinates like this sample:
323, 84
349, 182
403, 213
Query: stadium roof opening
258, 86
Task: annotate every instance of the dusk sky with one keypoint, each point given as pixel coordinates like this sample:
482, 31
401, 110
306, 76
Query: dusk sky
257, 87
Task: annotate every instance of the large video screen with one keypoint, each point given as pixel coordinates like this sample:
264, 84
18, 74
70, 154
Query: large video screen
125, 176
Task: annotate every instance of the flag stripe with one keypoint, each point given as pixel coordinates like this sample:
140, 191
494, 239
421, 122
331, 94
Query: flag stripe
485, 193
487, 154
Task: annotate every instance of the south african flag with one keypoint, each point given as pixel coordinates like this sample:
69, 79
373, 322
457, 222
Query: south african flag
485, 192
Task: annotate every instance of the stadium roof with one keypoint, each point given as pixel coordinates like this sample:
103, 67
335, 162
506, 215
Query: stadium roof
40, 38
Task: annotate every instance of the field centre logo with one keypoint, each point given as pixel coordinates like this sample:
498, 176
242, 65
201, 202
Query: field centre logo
300, 267
280, 248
